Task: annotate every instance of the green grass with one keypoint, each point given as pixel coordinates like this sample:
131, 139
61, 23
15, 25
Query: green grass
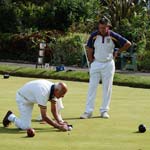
119, 79
129, 108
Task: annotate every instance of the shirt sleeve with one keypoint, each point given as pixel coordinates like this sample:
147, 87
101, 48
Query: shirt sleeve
118, 38
41, 106
41, 97
54, 99
91, 40
42, 100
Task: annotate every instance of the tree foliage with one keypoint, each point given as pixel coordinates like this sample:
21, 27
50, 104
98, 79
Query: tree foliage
129, 18
35, 15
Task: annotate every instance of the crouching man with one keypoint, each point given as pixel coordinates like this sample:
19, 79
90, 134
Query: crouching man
38, 92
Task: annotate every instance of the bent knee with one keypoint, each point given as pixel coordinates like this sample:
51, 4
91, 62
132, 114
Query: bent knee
23, 126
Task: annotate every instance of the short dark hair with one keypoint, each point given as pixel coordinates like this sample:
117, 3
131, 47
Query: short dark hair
104, 20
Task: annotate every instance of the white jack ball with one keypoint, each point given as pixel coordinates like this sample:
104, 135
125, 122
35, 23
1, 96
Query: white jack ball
69, 128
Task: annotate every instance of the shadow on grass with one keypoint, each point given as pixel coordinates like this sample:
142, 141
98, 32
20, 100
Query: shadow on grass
138, 132
19, 131
53, 130
71, 118
67, 119
78, 118
10, 130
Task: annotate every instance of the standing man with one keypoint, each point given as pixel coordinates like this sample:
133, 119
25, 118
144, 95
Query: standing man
100, 52
38, 92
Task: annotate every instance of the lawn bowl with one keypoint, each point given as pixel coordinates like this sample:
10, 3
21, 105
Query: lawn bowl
142, 128
30, 132
6, 76
70, 127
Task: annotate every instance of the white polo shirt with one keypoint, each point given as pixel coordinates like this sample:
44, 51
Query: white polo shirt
104, 45
37, 91
104, 48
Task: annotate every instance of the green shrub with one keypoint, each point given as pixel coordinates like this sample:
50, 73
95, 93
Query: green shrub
17, 47
144, 61
68, 50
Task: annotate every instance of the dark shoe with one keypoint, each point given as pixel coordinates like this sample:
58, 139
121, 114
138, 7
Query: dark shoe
6, 122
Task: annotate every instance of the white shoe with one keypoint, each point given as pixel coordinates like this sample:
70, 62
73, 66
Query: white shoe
105, 115
86, 115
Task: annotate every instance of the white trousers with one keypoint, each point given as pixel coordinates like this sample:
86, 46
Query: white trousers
25, 110
105, 72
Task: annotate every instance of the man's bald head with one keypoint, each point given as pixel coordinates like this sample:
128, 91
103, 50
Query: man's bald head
60, 89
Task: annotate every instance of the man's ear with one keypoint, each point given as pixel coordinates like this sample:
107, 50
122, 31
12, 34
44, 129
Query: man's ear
56, 92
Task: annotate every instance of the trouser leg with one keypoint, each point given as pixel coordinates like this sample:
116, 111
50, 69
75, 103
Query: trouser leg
107, 81
25, 110
93, 83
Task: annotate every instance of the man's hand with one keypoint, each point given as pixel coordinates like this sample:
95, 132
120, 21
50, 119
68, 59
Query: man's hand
63, 122
63, 127
115, 54
90, 55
